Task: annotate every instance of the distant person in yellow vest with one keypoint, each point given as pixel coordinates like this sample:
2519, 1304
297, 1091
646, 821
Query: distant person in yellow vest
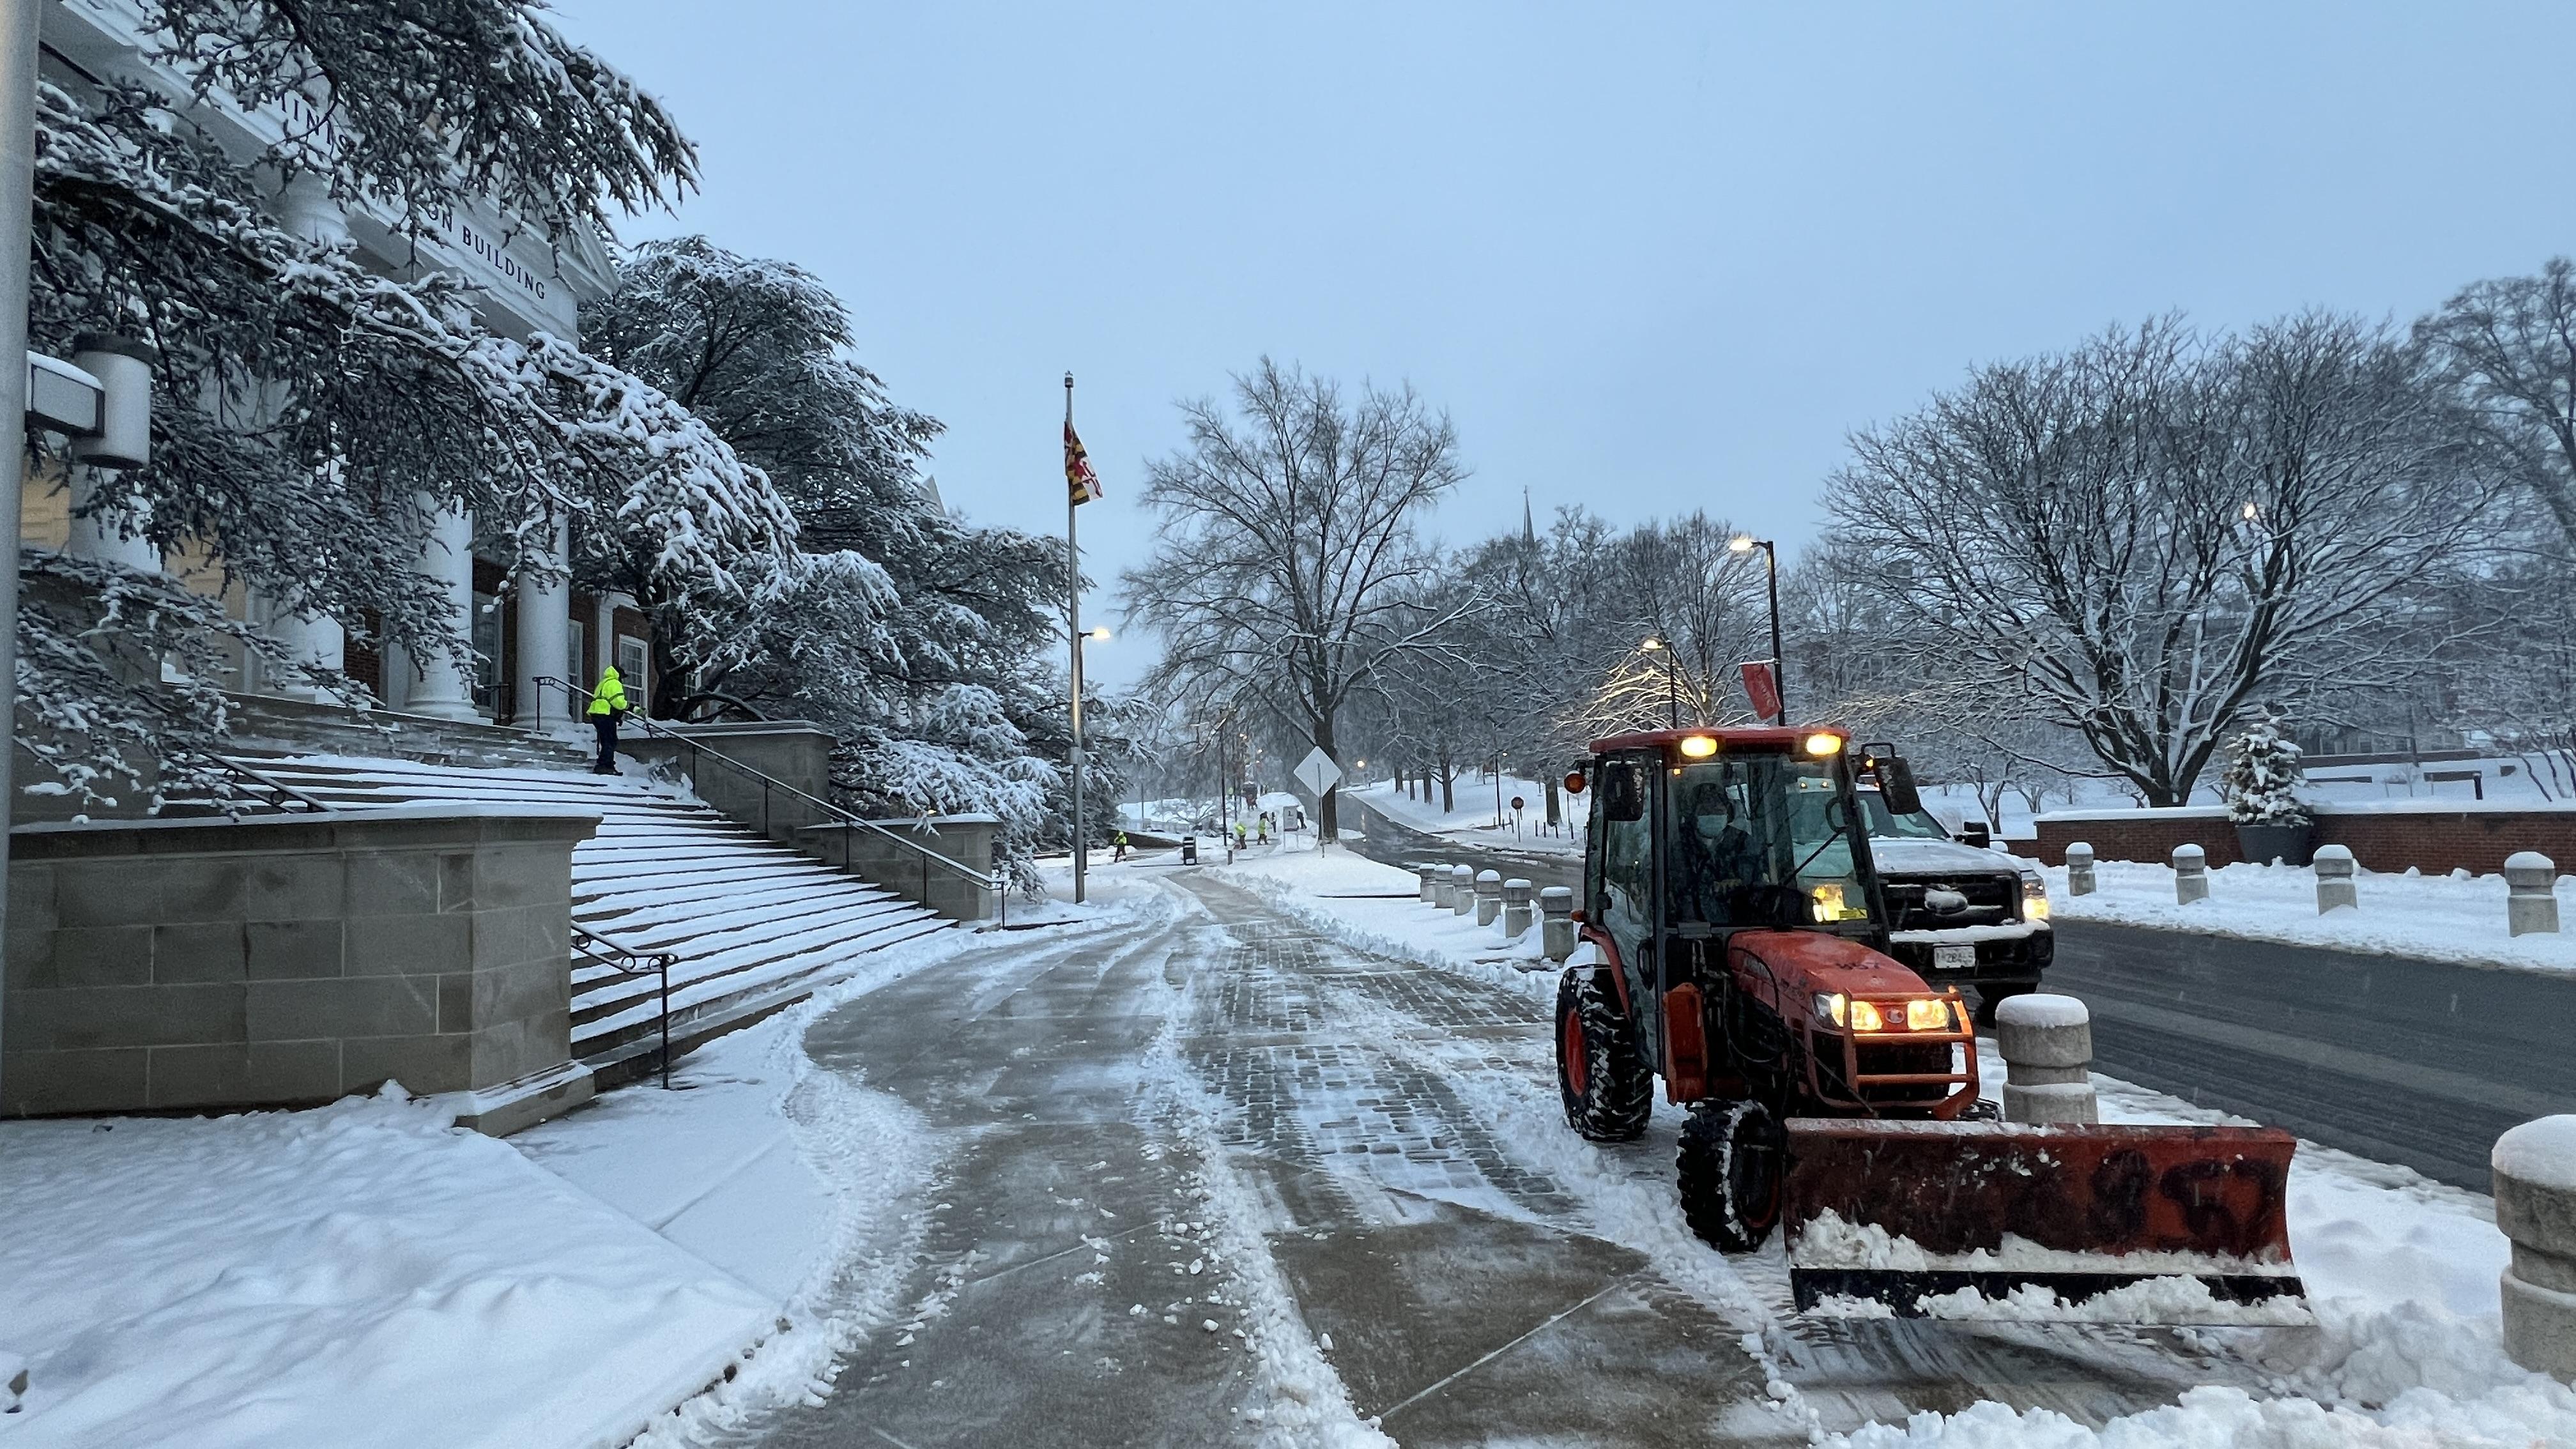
607, 707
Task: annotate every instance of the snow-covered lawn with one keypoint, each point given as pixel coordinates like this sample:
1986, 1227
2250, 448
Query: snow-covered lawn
360, 1274
2401, 1270
1472, 823
2436, 918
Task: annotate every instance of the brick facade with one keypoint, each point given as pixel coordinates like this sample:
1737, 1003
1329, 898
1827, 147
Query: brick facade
2435, 842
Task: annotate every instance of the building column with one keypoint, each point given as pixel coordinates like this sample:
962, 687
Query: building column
307, 209
433, 684
103, 536
545, 641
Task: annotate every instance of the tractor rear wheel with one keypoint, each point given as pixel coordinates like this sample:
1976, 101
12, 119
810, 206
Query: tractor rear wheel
1730, 1162
1607, 1086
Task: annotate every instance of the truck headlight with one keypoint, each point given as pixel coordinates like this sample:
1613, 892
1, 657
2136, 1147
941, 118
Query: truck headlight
2034, 898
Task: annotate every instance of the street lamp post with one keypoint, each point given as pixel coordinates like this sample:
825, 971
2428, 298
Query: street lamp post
1747, 543
1672, 696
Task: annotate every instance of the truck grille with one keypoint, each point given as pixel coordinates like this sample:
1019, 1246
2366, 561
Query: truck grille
1993, 900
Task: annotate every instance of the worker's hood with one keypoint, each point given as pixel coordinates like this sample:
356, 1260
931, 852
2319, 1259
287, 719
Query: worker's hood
1939, 857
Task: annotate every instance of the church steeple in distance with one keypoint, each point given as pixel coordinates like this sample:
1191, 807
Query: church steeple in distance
1529, 529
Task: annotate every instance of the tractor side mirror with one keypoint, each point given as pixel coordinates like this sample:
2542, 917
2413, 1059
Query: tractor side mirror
1896, 785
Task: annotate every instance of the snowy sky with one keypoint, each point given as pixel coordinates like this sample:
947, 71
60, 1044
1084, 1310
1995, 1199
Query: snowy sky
1649, 262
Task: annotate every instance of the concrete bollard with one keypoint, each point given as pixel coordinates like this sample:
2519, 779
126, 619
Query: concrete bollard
1462, 889
2335, 888
2191, 874
1489, 897
2079, 869
1516, 909
1444, 891
1430, 882
2531, 900
2047, 1045
1556, 922
2535, 1205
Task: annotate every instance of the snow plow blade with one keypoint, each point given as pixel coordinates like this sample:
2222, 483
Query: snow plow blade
1993, 1220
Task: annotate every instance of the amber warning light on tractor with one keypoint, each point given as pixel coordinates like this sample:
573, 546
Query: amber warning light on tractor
1817, 744
1699, 747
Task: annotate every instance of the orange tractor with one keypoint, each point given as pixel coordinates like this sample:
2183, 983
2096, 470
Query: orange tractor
1738, 940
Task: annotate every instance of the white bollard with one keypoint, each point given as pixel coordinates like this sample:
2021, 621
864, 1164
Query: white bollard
1489, 897
2336, 890
1430, 875
1444, 889
2531, 899
2079, 869
2191, 874
1516, 909
2047, 1045
1556, 922
1462, 890
2535, 1205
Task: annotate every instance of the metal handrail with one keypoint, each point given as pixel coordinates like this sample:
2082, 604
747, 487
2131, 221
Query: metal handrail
283, 798
841, 814
629, 961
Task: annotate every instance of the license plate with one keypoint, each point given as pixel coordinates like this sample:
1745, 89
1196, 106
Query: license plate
1954, 958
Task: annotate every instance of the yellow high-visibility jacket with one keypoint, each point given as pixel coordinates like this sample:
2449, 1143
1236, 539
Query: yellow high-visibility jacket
610, 697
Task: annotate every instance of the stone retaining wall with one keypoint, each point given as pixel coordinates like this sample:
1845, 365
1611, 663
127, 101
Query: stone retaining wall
286, 959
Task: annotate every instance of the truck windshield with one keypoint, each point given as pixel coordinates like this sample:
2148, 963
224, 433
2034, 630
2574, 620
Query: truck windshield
1749, 829
1886, 824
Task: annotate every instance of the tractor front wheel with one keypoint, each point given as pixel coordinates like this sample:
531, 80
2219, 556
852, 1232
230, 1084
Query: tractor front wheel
1607, 1086
1731, 1157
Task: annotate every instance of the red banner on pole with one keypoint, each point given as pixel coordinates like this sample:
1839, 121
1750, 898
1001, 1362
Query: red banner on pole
1762, 686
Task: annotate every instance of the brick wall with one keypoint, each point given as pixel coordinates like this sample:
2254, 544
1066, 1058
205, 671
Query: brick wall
2433, 841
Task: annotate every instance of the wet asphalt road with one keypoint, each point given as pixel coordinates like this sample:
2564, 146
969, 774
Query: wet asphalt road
2414, 1062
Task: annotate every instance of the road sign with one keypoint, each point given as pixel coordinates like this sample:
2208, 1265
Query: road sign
1317, 772
1517, 802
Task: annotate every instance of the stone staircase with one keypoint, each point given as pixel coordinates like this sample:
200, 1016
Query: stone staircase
755, 925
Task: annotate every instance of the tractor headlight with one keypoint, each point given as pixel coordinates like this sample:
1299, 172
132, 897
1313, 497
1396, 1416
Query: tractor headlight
1865, 1017
2034, 898
1930, 1014
1830, 1006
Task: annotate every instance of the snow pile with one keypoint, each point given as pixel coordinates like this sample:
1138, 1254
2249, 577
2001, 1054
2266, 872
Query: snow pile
361, 1274
2437, 918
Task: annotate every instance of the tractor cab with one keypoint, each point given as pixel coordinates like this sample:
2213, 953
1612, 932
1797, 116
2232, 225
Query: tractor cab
1729, 885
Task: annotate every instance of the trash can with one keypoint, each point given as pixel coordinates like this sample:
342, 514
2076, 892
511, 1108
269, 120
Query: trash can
1189, 850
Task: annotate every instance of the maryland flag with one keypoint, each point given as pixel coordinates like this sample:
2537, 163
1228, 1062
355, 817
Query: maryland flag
1079, 480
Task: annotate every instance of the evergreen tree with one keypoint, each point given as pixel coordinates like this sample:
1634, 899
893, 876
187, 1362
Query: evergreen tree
2262, 777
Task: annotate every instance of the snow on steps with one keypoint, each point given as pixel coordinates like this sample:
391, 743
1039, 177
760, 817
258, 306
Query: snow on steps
755, 925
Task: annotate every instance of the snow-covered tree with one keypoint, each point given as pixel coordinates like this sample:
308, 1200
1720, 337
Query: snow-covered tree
2261, 781
311, 411
2137, 539
2508, 345
923, 644
1286, 568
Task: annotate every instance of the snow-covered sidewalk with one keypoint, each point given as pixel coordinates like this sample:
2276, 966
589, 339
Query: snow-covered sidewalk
1473, 822
2456, 918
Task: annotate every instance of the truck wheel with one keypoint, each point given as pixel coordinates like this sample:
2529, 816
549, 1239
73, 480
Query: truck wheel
1607, 1086
1990, 997
1730, 1161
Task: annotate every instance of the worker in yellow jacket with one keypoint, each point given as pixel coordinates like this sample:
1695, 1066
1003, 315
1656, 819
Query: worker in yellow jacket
607, 707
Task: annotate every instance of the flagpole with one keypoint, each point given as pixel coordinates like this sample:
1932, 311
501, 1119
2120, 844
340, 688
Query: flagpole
1073, 614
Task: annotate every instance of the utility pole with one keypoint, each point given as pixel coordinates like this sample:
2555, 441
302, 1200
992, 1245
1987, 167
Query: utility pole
19, 28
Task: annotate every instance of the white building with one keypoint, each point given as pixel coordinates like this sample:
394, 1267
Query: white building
526, 282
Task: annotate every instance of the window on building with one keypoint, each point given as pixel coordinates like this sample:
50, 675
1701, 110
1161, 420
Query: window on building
630, 666
576, 657
487, 650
